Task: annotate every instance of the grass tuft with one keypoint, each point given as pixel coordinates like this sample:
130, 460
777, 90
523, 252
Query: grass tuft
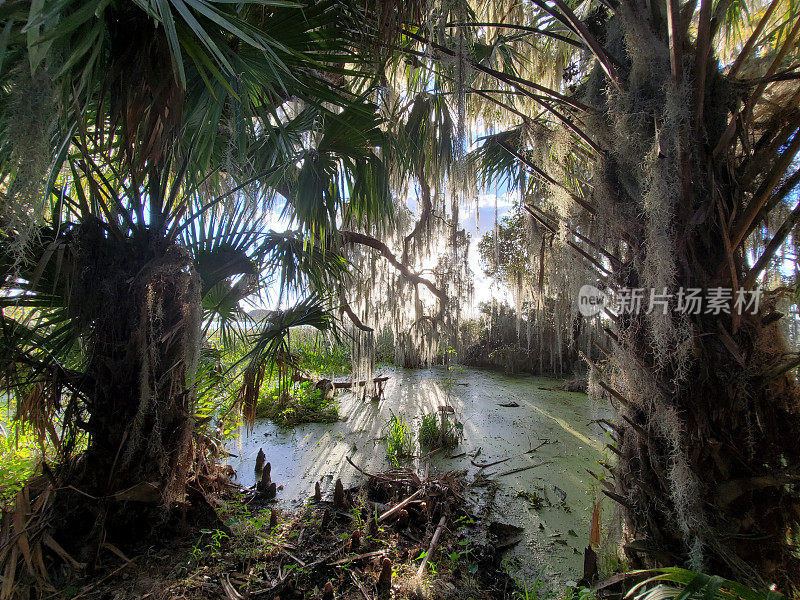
439, 432
399, 440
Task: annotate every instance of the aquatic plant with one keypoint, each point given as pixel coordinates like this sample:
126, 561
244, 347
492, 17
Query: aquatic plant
399, 439
438, 431
428, 429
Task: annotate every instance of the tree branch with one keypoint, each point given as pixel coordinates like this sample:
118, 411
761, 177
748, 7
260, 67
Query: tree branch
555, 36
512, 80
739, 230
353, 237
590, 40
346, 309
542, 175
424, 217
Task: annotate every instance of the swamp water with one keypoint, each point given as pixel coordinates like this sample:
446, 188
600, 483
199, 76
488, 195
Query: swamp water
552, 502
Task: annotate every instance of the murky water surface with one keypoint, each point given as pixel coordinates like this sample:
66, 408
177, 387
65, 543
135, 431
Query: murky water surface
555, 533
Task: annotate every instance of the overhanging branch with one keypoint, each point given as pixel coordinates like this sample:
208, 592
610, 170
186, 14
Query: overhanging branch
353, 237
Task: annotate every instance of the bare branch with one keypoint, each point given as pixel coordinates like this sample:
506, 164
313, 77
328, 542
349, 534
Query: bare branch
512, 80
555, 36
346, 309
545, 177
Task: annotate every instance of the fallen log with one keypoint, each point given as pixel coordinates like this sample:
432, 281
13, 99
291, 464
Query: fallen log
339, 385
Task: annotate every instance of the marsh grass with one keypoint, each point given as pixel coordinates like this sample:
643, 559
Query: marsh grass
438, 431
428, 430
399, 439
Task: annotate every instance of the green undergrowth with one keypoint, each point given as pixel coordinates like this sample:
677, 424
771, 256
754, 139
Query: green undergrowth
257, 551
318, 355
19, 457
296, 403
435, 431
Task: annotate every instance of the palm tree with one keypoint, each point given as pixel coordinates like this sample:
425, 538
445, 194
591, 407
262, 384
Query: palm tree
134, 194
657, 140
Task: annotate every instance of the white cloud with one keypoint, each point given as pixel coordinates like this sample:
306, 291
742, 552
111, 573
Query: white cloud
504, 200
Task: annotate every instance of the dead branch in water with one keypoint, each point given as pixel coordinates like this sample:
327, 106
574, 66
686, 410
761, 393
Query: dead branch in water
520, 469
489, 464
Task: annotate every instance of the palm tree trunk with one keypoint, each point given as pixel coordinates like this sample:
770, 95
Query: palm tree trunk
143, 303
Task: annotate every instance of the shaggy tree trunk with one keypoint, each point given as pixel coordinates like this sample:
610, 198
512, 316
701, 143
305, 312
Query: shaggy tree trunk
707, 444
141, 301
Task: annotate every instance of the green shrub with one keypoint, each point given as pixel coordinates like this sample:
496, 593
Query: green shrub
19, 456
319, 355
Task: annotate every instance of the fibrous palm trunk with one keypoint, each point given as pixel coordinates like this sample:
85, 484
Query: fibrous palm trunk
140, 300
707, 444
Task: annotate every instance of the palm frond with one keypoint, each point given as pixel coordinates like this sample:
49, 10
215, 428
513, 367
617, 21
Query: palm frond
271, 349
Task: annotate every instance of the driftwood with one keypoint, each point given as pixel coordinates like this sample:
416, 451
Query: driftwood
227, 587
432, 547
381, 477
360, 586
490, 464
431, 453
283, 579
401, 505
532, 450
349, 559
